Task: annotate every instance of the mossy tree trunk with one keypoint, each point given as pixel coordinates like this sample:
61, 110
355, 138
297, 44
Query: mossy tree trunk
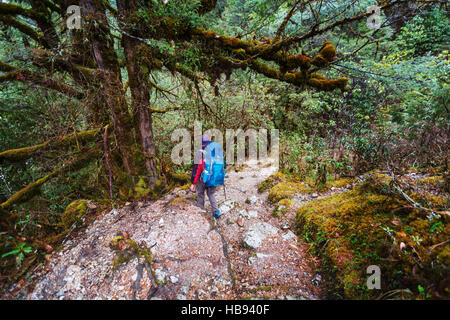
108, 65
139, 67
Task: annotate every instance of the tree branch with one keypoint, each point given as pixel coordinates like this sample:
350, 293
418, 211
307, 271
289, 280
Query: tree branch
13, 9
21, 154
22, 27
33, 189
22, 75
286, 20
6, 67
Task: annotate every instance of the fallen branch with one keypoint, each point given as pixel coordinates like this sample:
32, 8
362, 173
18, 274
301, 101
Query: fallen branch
415, 204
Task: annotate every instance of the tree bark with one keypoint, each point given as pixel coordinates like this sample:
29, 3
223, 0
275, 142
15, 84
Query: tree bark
139, 67
108, 65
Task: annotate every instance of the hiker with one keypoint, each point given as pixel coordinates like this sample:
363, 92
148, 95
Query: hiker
198, 183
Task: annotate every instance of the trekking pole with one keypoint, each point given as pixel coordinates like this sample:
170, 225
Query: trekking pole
225, 191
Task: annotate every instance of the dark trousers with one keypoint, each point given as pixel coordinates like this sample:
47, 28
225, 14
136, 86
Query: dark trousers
210, 191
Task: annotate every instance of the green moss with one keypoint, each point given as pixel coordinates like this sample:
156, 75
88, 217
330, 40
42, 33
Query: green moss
282, 207
158, 186
180, 178
325, 56
282, 191
355, 229
340, 183
286, 202
185, 187
286, 190
271, 181
155, 190
240, 168
141, 189
433, 183
178, 201
25, 153
126, 248
438, 202
119, 260
444, 255
74, 212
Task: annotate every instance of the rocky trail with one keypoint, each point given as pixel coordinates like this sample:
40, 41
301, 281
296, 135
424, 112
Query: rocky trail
171, 249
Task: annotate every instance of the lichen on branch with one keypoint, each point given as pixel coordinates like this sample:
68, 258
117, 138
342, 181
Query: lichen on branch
21, 154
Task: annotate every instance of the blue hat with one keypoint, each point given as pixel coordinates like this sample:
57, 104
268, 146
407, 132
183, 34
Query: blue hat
205, 140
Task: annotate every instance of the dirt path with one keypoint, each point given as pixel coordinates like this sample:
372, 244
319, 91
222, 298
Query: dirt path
247, 254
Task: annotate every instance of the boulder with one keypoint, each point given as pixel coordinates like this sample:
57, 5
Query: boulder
227, 206
252, 200
257, 233
248, 214
289, 235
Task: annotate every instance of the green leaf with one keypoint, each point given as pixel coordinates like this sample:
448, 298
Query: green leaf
10, 253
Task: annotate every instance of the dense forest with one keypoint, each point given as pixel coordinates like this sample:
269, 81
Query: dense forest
360, 98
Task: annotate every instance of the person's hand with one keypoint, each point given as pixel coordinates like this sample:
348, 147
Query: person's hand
192, 187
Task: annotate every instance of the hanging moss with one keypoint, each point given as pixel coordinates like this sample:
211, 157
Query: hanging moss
320, 82
291, 61
9, 76
28, 192
325, 56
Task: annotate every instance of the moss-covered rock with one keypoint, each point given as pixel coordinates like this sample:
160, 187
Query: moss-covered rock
340, 183
271, 181
286, 190
282, 191
74, 212
143, 190
282, 207
368, 225
178, 202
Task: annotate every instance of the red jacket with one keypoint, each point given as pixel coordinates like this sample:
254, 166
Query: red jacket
198, 173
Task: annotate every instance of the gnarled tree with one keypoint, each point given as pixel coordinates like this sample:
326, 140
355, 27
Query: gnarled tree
93, 70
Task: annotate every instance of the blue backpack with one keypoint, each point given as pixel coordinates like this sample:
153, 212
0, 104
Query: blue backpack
214, 173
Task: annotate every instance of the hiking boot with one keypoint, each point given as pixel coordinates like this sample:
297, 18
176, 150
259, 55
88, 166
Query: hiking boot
217, 214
